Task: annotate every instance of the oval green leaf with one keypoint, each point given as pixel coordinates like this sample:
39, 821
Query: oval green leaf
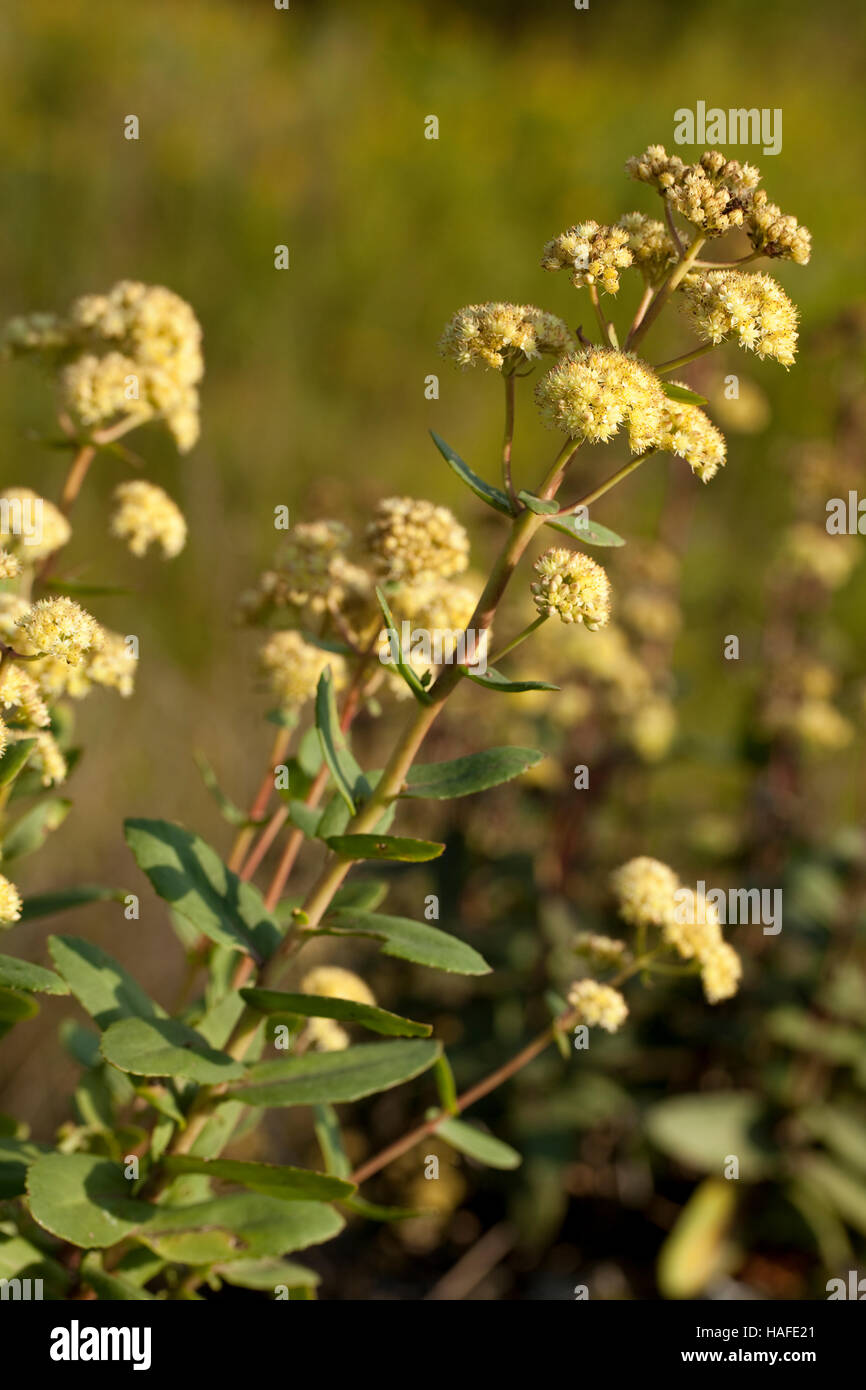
165, 1047
274, 1001
331, 1077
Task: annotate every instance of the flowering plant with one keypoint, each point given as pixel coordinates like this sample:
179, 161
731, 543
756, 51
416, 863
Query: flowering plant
124, 1206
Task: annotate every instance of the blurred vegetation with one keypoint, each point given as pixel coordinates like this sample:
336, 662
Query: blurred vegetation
261, 127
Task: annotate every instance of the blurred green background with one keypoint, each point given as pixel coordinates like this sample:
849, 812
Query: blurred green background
260, 127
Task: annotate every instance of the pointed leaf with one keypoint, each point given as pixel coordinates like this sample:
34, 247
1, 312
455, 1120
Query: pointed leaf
335, 748
273, 1001
46, 904
473, 773
400, 665
493, 496
476, 1143
23, 974
31, 830
580, 528
539, 505
682, 393
14, 758
289, 1184
331, 1077
384, 847
330, 1140
408, 940
494, 680
189, 874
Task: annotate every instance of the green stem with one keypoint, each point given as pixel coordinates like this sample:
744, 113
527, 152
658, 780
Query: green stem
608, 483
664, 292
675, 362
509, 439
515, 641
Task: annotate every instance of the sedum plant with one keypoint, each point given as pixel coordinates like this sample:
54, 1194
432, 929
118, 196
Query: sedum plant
137, 1199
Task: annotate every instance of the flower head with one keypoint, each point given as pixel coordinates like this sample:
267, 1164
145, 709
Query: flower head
31, 527
409, 537
599, 1006
721, 972
10, 565
294, 667
645, 890
59, 627
10, 902
776, 234
144, 514
593, 393
593, 253
686, 431
752, 308
650, 243
713, 194
573, 587
602, 950
502, 336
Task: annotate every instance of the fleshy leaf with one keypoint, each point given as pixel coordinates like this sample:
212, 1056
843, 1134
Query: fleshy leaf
408, 940
384, 847
494, 680
473, 773
331, 1077
273, 1001
165, 1047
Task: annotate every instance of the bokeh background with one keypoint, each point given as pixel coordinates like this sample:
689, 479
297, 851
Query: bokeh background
260, 127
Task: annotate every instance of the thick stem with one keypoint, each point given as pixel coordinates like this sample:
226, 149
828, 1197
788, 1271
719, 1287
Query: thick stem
665, 291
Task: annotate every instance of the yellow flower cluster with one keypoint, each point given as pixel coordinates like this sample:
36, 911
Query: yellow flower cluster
134, 352
145, 515
20, 692
10, 902
410, 536
593, 393
651, 246
752, 308
59, 627
112, 664
602, 950
686, 431
713, 195
649, 894
597, 1005
503, 336
10, 565
573, 587
775, 233
593, 253
313, 576
31, 527
332, 982
294, 666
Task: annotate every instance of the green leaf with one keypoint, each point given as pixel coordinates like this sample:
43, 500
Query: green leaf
475, 1143
408, 940
493, 496
365, 894
15, 1007
31, 830
46, 904
539, 505
113, 1286
189, 874
306, 818
164, 1047
21, 1259
289, 1184
267, 1274
14, 758
401, 666
16, 1155
701, 1130
371, 1211
838, 1130
384, 847
446, 1085
273, 1001
682, 393
242, 1226
102, 987
84, 1199
841, 1189
334, 818
331, 1077
335, 748
473, 773
23, 974
330, 1140
228, 809
580, 528
494, 680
